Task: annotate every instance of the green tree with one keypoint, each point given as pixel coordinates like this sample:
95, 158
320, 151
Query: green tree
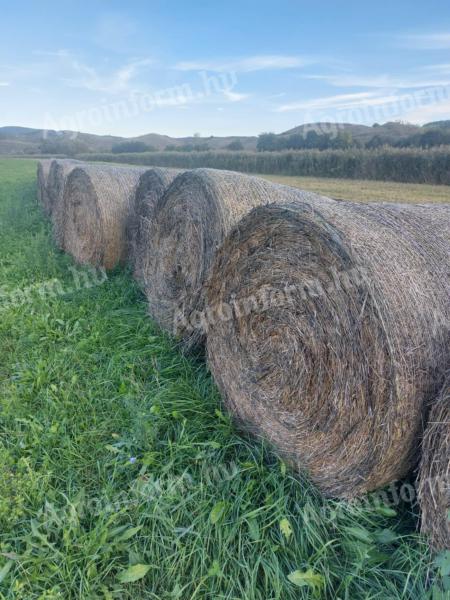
267, 141
235, 145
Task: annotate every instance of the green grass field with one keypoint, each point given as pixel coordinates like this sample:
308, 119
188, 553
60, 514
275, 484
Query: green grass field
123, 478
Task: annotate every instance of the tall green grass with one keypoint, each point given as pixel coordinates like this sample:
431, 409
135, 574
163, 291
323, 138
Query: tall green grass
123, 478
406, 165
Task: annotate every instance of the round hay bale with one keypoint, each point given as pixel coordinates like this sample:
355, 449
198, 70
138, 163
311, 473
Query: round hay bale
190, 222
96, 205
59, 169
328, 332
43, 169
434, 474
152, 185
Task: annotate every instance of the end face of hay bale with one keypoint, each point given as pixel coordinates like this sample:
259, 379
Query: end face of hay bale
96, 205
190, 222
434, 474
151, 187
58, 173
325, 336
80, 220
59, 169
43, 170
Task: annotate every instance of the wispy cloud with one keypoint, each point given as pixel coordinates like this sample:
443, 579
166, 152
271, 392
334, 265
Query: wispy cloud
72, 71
339, 102
441, 68
114, 83
4, 83
418, 106
425, 114
425, 41
353, 80
246, 64
234, 96
278, 95
423, 77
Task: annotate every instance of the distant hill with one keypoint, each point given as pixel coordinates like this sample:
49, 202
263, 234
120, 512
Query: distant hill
28, 141
37, 141
24, 140
438, 124
160, 142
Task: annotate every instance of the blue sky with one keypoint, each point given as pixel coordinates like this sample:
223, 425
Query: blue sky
221, 68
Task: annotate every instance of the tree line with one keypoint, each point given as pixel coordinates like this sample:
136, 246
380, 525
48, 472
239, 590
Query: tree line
342, 140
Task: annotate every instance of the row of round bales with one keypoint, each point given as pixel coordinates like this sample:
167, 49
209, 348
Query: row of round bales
326, 322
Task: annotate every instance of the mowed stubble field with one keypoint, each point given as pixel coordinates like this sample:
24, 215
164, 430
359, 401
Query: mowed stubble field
360, 190
123, 478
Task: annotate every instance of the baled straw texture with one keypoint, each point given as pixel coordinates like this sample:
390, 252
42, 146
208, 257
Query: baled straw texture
152, 185
434, 474
43, 169
96, 205
328, 332
190, 222
59, 170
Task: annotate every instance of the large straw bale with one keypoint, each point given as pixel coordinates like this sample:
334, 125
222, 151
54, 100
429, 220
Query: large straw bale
43, 169
328, 333
96, 205
434, 474
152, 185
190, 222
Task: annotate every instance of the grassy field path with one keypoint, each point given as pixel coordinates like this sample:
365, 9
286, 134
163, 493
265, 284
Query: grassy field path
121, 476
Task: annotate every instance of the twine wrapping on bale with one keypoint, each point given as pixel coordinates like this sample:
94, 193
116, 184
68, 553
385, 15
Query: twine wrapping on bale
43, 169
59, 170
152, 185
328, 332
190, 222
434, 474
96, 204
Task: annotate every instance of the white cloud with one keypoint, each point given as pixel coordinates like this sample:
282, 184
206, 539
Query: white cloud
4, 83
426, 41
419, 106
425, 114
351, 80
278, 95
71, 70
341, 101
234, 96
114, 83
437, 77
442, 68
248, 64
